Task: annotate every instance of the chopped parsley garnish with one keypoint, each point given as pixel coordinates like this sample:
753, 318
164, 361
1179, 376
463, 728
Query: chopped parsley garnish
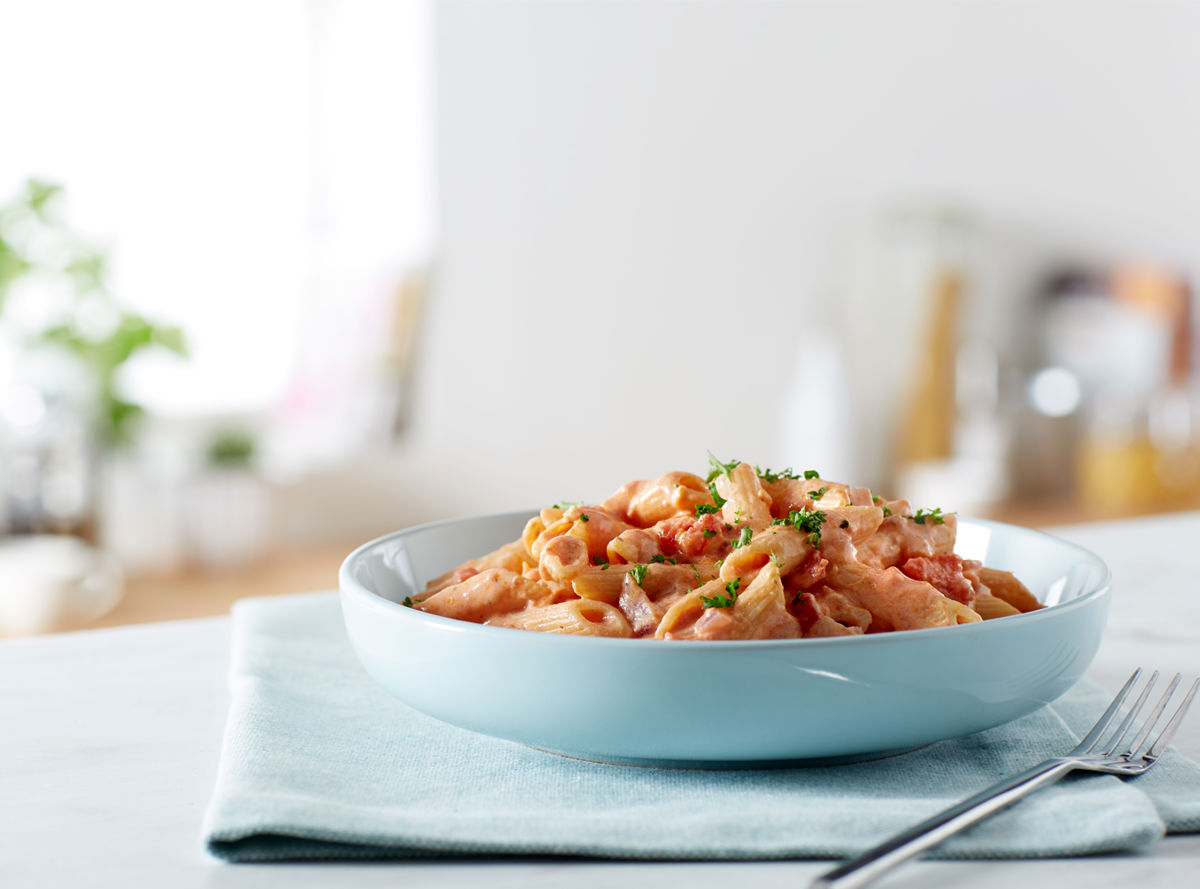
719, 601
775, 561
659, 559
768, 475
583, 517
716, 467
717, 498
408, 602
706, 509
805, 520
811, 474
876, 500
818, 493
845, 523
709, 533
886, 512
929, 515
638, 573
744, 537
600, 561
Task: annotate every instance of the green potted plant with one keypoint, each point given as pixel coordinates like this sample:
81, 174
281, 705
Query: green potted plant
227, 503
64, 339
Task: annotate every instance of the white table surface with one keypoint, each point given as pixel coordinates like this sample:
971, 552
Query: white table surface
109, 742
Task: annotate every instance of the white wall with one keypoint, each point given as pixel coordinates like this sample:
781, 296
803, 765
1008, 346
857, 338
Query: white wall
645, 206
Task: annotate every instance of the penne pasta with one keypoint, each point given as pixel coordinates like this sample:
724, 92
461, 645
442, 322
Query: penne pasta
603, 584
899, 601
1003, 585
784, 545
745, 553
643, 503
511, 557
760, 612
633, 545
482, 595
988, 606
581, 617
746, 503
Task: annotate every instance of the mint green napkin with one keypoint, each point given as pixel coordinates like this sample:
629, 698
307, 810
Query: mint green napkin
319, 762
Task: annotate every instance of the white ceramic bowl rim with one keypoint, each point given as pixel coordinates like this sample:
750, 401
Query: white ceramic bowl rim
350, 585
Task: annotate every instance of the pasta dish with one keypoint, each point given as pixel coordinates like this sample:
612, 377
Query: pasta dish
745, 553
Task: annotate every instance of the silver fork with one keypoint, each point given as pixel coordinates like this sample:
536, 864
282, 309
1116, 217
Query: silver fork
1111, 756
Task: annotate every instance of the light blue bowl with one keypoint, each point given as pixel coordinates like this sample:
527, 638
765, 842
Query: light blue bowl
644, 701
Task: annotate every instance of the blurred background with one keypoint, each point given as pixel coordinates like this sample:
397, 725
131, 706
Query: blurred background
277, 276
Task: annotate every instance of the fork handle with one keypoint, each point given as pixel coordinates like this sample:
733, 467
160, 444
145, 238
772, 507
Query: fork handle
866, 867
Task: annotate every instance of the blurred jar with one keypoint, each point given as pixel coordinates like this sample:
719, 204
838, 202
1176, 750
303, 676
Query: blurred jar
226, 516
53, 582
1116, 388
48, 460
1141, 455
51, 577
945, 440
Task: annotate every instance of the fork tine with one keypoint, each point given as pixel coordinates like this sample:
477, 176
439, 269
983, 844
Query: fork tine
1118, 736
1148, 726
1107, 716
1164, 737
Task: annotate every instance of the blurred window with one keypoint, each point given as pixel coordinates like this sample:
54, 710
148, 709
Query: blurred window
258, 169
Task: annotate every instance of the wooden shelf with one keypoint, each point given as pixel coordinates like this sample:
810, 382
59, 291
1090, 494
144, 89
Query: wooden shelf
1048, 514
197, 593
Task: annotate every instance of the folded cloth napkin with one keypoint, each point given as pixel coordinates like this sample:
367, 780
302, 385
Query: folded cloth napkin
319, 762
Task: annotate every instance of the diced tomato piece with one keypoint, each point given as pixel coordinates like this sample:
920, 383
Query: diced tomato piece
690, 537
945, 573
810, 572
806, 611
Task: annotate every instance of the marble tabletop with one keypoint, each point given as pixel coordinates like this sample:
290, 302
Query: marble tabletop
109, 741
